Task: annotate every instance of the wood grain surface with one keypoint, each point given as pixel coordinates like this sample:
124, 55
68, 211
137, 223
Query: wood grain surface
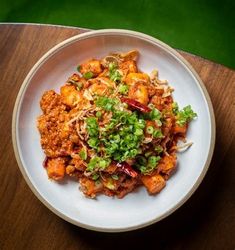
205, 221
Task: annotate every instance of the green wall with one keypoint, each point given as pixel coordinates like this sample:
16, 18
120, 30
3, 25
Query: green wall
205, 28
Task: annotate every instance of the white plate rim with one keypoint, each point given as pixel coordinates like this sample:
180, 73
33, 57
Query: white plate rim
85, 36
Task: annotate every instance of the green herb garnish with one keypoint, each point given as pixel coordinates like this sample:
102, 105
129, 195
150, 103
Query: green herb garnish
122, 142
92, 126
123, 89
83, 154
114, 74
115, 177
106, 103
78, 68
147, 154
157, 133
185, 115
150, 129
98, 114
93, 142
95, 177
175, 108
93, 132
153, 160
120, 138
88, 75
158, 149
154, 115
149, 165
98, 163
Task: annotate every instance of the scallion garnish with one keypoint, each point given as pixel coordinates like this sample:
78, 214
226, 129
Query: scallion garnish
88, 75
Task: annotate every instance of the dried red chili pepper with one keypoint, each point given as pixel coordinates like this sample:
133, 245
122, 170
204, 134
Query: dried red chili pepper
126, 168
136, 105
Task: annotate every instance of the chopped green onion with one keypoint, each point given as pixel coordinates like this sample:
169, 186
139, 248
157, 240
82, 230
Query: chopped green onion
143, 169
152, 160
78, 68
138, 131
157, 133
98, 114
175, 108
141, 160
92, 126
147, 154
150, 129
93, 142
123, 89
150, 166
121, 138
158, 149
106, 103
98, 163
112, 66
122, 142
95, 177
88, 75
83, 154
93, 163
155, 114
115, 177
185, 115
114, 74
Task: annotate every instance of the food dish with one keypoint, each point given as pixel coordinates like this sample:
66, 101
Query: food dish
112, 127
134, 211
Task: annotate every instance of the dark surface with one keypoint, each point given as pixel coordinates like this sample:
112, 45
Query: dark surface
202, 27
205, 221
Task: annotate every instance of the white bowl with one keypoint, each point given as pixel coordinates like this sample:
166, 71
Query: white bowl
137, 209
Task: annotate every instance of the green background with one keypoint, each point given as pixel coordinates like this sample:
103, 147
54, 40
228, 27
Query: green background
203, 27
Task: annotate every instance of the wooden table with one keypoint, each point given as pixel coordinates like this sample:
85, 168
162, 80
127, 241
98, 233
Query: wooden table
206, 221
